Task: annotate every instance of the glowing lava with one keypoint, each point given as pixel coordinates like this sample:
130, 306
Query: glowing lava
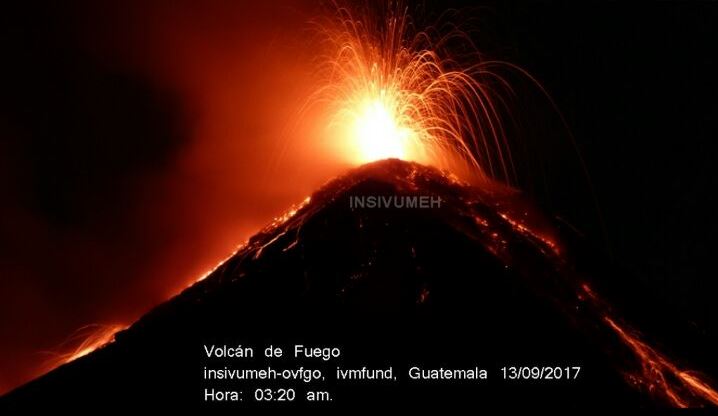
394, 95
391, 91
377, 135
400, 93
89, 338
84, 341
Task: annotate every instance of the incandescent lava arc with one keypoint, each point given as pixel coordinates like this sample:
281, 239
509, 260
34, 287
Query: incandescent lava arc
482, 274
392, 90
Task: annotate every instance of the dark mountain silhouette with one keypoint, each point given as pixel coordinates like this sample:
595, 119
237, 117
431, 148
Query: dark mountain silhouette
483, 280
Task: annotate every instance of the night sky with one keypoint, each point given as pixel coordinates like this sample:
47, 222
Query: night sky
140, 142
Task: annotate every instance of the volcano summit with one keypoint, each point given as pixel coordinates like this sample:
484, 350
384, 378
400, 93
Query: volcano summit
480, 278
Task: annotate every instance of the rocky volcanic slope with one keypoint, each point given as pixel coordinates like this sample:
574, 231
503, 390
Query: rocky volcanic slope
481, 280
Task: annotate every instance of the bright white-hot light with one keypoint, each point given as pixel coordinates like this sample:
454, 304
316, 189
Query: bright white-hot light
377, 134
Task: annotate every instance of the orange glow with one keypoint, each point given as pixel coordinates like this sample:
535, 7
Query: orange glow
84, 341
91, 337
659, 376
393, 92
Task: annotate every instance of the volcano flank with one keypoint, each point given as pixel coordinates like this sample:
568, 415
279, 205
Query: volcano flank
480, 279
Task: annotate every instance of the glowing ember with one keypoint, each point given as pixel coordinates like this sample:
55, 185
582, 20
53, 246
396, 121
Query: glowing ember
660, 376
84, 341
91, 337
394, 92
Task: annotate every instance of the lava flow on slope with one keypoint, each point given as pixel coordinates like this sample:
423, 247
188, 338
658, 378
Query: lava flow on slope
479, 279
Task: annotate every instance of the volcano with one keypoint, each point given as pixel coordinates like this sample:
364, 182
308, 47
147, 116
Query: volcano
393, 264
